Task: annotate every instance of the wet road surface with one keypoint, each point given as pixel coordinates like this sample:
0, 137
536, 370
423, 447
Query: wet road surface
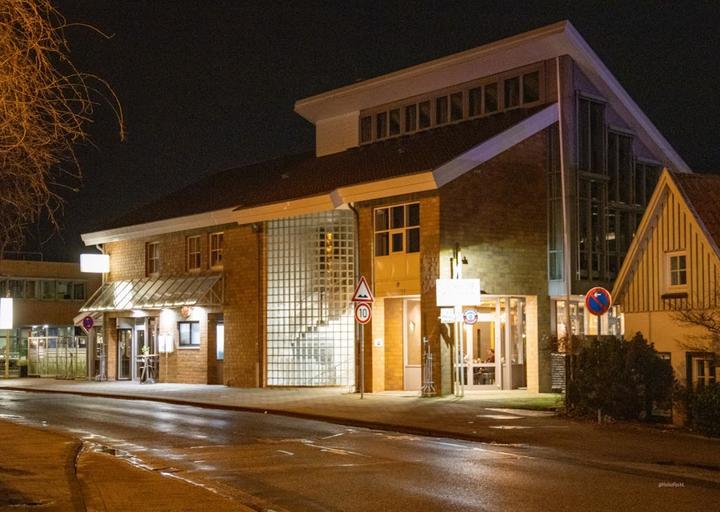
273, 462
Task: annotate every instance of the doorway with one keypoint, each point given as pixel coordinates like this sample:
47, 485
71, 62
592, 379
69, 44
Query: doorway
412, 345
124, 356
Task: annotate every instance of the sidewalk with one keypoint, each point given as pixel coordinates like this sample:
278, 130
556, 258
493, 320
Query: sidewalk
492, 417
51, 471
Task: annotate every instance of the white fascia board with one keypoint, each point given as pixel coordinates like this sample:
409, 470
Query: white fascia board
496, 145
492, 58
160, 227
410, 184
620, 100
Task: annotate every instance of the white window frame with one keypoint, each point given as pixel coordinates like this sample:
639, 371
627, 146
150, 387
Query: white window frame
669, 271
152, 261
216, 250
193, 253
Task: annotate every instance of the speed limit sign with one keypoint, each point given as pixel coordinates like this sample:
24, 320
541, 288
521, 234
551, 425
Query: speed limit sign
363, 312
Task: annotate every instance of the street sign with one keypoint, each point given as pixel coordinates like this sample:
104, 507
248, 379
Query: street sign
362, 292
88, 322
447, 316
598, 301
363, 312
470, 316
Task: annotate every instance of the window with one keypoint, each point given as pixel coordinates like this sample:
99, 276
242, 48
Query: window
152, 258
441, 110
79, 291
366, 129
189, 334
397, 229
591, 136
512, 92
475, 101
456, 106
220, 342
381, 125
395, 121
192, 251
677, 266
410, 118
424, 119
531, 87
48, 290
490, 98
216, 249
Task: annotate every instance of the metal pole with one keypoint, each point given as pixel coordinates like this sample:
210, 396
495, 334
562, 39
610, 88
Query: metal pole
362, 361
7, 354
461, 359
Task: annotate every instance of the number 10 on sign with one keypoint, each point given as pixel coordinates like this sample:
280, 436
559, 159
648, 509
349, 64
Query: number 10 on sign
363, 313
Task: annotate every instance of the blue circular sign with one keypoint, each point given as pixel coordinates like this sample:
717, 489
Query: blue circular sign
88, 322
598, 301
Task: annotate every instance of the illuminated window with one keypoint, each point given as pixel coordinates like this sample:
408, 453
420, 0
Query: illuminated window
152, 258
216, 249
192, 250
677, 267
220, 342
189, 334
397, 229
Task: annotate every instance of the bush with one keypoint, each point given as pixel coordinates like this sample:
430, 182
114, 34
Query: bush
705, 405
622, 379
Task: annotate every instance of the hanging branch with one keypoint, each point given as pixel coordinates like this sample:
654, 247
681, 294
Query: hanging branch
45, 104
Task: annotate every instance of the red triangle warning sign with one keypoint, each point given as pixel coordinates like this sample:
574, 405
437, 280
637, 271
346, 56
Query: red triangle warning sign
362, 292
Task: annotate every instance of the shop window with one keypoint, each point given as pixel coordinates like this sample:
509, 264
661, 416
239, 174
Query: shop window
677, 270
397, 229
192, 251
366, 129
189, 334
216, 249
531, 87
152, 258
512, 92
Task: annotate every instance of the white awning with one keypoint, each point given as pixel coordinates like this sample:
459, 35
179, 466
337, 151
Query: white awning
156, 293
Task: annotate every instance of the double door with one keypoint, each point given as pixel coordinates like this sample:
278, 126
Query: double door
135, 339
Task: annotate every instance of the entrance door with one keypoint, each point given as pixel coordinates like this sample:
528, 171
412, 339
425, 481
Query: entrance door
124, 356
140, 347
412, 344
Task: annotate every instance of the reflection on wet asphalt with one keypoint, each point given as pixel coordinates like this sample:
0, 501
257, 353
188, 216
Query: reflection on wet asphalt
301, 464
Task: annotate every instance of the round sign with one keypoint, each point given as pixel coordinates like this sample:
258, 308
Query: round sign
363, 313
88, 322
597, 301
470, 316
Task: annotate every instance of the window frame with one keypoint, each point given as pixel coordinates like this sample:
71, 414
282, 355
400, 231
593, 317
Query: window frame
215, 254
191, 324
669, 271
152, 261
391, 231
193, 255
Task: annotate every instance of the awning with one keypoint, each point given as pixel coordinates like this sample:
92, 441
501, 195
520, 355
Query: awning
156, 293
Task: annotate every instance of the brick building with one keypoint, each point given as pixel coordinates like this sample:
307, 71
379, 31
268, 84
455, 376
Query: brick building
517, 153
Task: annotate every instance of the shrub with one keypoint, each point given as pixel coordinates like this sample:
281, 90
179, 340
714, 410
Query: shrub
705, 405
622, 379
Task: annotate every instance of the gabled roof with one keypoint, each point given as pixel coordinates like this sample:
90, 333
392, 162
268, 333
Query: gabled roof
701, 194
544, 43
297, 184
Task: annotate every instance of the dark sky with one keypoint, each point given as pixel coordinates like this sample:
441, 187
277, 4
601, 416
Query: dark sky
208, 85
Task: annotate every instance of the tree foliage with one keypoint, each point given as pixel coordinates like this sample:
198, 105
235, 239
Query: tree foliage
45, 105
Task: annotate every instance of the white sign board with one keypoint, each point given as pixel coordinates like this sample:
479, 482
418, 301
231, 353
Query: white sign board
95, 263
6, 313
448, 316
457, 292
165, 343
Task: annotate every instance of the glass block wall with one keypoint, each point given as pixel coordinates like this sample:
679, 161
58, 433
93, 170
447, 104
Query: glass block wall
310, 280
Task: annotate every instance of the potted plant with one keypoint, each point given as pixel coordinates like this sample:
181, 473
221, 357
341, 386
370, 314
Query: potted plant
23, 365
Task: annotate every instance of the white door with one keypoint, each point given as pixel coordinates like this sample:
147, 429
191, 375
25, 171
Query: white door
412, 344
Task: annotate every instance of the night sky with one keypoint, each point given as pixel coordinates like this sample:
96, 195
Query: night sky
208, 85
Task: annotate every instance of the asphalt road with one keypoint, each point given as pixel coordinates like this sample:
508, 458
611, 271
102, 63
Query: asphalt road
279, 463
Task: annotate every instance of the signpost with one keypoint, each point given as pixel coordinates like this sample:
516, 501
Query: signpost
88, 322
598, 302
363, 299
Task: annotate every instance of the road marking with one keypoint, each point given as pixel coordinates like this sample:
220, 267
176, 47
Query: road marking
286, 452
334, 435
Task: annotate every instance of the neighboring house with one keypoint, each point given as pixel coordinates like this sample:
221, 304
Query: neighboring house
483, 150
674, 265
46, 297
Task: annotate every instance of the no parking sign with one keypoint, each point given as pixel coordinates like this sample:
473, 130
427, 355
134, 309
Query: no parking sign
597, 301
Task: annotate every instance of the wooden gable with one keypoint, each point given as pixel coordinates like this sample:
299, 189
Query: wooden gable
670, 225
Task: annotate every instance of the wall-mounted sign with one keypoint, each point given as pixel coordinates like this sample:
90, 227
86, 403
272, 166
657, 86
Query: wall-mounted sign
457, 292
447, 316
6, 313
95, 263
598, 301
186, 311
470, 316
165, 343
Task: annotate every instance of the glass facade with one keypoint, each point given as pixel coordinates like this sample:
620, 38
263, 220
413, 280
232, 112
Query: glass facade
310, 280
